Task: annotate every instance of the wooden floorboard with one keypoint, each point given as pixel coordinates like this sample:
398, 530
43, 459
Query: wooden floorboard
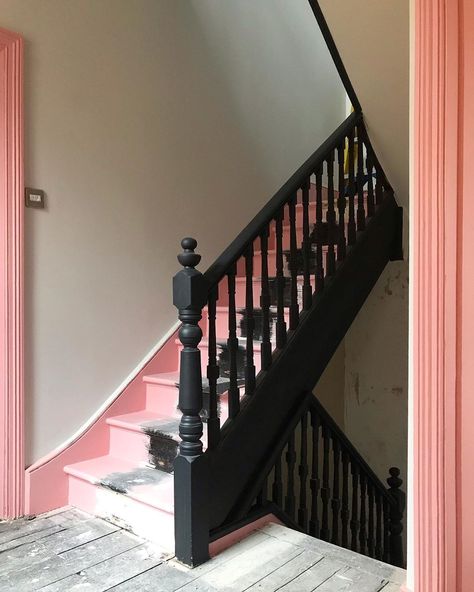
68, 550
391, 587
350, 579
345, 556
111, 572
287, 572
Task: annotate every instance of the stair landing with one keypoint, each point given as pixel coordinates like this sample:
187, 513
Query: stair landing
69, 550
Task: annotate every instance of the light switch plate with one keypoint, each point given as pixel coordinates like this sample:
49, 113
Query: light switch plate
34, 198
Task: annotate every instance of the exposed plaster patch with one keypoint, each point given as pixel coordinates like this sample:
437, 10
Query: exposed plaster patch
388, 288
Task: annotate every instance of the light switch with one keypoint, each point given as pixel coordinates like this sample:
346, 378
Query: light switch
34, 198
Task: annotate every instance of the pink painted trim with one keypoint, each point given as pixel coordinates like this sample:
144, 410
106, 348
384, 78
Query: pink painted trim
11, 276
237, 535
434, 297
46, 480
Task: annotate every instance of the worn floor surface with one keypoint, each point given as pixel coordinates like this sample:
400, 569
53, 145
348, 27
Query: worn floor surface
69, 550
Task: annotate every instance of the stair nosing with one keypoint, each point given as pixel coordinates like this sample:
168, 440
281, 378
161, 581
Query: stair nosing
93, 480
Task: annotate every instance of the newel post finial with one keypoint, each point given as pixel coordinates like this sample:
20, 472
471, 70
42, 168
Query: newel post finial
190, 291
396, 517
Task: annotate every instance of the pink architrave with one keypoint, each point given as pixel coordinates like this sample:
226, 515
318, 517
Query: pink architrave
12, 468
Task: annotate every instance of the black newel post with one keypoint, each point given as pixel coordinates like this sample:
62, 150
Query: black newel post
396, 518
191, 481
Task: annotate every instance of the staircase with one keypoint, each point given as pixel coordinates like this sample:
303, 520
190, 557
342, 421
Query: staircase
258, 328
133, 484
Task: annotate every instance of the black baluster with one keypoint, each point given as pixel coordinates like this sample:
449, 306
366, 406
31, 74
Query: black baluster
303, 473
277, 487
280, 283
191, 480
369, 163
386, 530
233, 346
370, 534
314, 481
360, 181
345, 514
213, 421
341, 206
396, 517
378, 527
325, 490
378, 185
294, 308
290, 491
363, 514
262, 496
331, 217
355, 504
370, 187
266, 346
249, 318
336, 501
307, 289
351, 227
319, 229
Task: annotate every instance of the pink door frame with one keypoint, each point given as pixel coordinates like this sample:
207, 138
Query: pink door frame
436, 211
12, 467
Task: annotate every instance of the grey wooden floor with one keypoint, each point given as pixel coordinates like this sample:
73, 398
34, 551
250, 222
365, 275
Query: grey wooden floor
69, 550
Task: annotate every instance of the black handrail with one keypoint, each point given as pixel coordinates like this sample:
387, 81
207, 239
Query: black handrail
346, 81
305, 404
324, 243
237, 247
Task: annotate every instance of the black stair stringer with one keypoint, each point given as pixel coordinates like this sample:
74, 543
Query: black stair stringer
238, 459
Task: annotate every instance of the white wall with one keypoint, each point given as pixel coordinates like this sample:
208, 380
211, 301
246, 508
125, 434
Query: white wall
147, 121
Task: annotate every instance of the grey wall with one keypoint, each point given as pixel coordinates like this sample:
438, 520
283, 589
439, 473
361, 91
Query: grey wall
376, 374
373, 39
147, 121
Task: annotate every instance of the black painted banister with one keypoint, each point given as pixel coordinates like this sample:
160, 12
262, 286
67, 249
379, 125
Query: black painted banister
252, 231
347, 444
374, 534
290, 284
286, 305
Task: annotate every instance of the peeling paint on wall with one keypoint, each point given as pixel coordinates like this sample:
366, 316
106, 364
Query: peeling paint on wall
376, 369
